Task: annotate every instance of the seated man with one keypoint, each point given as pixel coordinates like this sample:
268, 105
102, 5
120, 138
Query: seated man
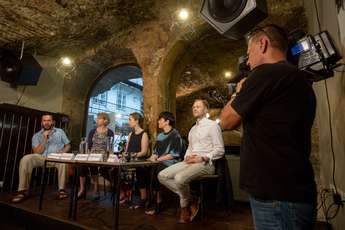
46, 141
205, 145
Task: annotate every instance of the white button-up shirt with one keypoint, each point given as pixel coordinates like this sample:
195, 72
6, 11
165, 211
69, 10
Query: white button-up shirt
205, 139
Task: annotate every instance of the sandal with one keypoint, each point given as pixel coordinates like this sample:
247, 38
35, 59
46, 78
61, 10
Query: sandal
156, 210
21, 196
123, 200
62, 194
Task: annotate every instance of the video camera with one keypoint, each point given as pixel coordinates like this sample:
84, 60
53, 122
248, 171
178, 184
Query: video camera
316, 55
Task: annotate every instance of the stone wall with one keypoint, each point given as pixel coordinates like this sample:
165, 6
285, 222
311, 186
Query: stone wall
334, 21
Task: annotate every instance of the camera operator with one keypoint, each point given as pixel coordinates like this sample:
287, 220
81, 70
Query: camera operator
277, 107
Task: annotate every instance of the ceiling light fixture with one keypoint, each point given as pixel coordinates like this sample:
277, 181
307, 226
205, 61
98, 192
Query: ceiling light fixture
183, 14
66, 67
66, 61
227, 74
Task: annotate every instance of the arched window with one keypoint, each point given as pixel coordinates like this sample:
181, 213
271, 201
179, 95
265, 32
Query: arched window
118, 93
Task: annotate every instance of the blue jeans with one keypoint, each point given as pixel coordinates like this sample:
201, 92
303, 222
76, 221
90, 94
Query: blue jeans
281, 215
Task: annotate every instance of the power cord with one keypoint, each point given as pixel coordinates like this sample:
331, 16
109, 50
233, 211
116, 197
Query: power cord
21, 95
337, 201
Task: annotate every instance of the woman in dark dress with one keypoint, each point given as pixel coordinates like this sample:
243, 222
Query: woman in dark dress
97, 143
137, 146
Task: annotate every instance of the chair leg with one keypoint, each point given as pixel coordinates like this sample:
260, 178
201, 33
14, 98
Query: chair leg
104, 186
201, 200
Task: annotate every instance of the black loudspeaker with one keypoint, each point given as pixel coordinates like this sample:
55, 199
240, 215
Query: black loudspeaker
19, 72
10, 66
30, 72
234, 18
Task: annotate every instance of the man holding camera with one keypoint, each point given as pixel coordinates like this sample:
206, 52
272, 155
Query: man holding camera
276, 104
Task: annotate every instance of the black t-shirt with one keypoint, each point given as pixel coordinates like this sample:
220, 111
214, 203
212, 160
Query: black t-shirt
277, 106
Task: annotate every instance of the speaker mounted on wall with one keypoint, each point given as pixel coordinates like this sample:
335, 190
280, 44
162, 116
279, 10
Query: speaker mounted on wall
233, 18
25, 71
30, 72
10, 66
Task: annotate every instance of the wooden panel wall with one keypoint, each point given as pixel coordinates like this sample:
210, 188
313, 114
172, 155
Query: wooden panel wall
17, 126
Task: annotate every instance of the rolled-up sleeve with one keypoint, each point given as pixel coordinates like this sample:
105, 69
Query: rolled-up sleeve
35, 140
217, 141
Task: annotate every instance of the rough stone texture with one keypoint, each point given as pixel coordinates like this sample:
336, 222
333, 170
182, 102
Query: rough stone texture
182, 60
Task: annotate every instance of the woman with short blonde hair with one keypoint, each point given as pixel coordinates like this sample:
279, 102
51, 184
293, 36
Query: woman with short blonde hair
97, 143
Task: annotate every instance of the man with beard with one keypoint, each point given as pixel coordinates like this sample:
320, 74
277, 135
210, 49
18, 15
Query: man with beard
48, 140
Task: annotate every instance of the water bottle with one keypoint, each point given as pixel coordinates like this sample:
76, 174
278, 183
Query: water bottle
83, 146
109, 148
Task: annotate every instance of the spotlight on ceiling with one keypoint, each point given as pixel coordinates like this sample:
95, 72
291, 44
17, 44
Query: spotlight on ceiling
66, 61
228, 74
183, 14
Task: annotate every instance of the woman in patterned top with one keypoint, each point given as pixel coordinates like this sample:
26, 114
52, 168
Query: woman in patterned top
97, 142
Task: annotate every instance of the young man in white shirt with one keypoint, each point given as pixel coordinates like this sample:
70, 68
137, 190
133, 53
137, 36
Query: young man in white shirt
205, 145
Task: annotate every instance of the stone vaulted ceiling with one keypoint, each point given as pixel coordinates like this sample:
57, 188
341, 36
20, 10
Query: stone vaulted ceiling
55, 26
60, 27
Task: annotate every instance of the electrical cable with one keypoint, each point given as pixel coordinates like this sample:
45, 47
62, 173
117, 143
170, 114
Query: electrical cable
327, 210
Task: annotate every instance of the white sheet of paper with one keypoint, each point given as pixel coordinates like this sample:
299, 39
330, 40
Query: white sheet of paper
54, 155
95, 157
81, 157
67, 156
113, 159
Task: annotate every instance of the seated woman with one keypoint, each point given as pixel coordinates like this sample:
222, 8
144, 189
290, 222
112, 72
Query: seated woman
97, 143
168, 150
137, 145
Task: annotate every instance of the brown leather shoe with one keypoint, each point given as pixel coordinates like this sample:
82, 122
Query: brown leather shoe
185, 215
194, 208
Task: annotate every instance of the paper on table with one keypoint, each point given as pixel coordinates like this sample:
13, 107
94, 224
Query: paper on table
54, 155
113, 159
95, 157
81, 157
67, 156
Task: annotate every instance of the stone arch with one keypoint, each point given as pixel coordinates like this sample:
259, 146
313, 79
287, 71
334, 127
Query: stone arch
96, 81
75, 90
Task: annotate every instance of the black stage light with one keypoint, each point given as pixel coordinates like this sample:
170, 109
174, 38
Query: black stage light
234, 18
